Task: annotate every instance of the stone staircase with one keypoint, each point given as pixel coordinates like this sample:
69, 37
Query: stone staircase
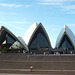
15, 62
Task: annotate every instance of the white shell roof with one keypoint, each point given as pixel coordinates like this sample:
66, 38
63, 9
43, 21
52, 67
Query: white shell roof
23, 42
69, 33
18, 39
29, 33
44, 32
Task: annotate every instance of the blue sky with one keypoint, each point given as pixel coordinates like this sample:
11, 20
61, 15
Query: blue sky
19, 15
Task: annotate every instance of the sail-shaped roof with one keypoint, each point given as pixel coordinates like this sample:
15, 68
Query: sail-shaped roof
5, 31
69, 34
23, 42
33, 32
29, 33
40, 29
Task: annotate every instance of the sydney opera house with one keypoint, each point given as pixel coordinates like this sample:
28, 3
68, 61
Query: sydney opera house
37, 41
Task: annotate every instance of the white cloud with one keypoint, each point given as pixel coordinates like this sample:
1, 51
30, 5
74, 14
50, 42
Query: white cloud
1, 0
18, 22
13, 5
12, 25
70, 12
8, 13
64, 5
50, 3
71, 25
69, 7
54, 0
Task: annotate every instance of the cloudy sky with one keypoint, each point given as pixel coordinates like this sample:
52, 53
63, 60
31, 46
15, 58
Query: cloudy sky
19, 15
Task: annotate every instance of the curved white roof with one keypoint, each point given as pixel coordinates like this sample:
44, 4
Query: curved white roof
43, 30
29, 33
69, 34
23, 42
19, 39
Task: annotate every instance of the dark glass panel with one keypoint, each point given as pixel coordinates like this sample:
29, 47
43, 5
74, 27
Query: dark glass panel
39, 40
66, 43
10, 42
9, 39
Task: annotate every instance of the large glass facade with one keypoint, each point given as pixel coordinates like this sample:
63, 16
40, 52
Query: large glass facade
39, 40
10, 43
66, 43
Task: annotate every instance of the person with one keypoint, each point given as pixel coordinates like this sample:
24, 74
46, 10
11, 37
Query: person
31, 68
71, 52
58, 53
